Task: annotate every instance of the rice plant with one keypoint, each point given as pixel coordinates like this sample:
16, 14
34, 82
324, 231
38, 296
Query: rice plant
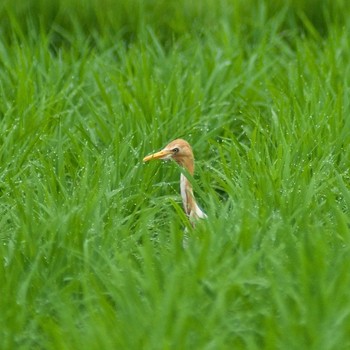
91, 238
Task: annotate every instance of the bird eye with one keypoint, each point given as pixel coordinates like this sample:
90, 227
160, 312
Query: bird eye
175, 150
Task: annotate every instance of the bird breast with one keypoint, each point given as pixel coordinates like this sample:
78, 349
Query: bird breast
189, 203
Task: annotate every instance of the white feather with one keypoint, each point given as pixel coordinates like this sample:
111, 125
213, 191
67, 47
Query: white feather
196, 212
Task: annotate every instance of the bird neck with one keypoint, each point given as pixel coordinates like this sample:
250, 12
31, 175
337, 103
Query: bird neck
189, 203
186, 162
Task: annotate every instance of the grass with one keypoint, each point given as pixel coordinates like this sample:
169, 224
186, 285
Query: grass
91, 238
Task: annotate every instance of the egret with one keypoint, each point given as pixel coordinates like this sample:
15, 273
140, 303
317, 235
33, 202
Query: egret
180, 151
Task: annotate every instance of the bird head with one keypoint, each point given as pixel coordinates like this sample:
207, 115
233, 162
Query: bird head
179, 150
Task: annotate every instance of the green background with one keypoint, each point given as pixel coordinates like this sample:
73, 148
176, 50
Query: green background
91, 238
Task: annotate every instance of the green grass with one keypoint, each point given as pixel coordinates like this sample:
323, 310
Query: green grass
91, 238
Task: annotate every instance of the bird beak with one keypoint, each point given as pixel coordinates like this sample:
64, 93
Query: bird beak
163, 154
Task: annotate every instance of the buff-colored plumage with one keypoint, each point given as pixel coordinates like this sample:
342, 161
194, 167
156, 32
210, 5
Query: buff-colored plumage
180, 151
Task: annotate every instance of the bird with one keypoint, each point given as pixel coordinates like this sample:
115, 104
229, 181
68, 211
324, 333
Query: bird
181, 152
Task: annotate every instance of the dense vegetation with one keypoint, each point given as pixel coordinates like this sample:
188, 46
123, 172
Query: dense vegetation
91, 239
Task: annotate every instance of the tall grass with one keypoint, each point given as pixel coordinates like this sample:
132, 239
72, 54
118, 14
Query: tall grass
91, 238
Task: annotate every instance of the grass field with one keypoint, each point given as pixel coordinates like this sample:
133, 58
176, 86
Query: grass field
91, 238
